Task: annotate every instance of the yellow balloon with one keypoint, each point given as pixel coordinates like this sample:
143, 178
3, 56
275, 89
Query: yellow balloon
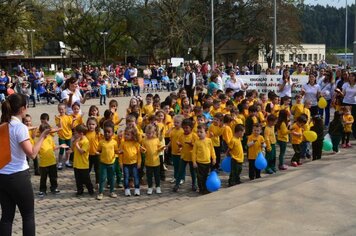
310, 136
322, 103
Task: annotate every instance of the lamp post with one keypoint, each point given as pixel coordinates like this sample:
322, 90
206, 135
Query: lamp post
355, 36
212, 35
31, 31
274, 32
104, 34
345, 59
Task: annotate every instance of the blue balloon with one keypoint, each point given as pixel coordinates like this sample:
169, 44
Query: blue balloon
226, 164
260, 162
213, 182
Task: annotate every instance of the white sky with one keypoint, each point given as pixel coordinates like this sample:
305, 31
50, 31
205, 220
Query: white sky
335, 3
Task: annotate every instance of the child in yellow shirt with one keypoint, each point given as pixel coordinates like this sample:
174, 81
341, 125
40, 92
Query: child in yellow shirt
286, 104
130, 159
237, 155
298, 107
297, 138
77, 117
107, 149
216, 108
65, 123
27, 120
185, 143
282, 137
255, 143
203, 156
147, 109
216, 129
347, 120
94, 137
174, 135
47, 162
80, 149
270, 138
113, 105
152, 146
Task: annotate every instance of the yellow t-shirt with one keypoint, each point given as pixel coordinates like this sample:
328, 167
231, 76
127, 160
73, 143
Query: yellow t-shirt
235, 149
242, 118
152, 147
214, 111
94, 139
131, 153
275, 110
214, 133
147, 109
227, 134
107, 149
65, 122
256, 147
297, 110
203, 151
269, 136
81, 161
186, 151
235, 122
348, 118
262, 118
306, 111
46, 153
283, 133
168, 124
174, 135
78, 121
297, 129
116, 121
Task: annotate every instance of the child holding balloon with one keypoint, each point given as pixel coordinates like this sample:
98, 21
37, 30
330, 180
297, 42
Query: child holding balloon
336, 130
237, 155
297, 138
317, 145
270, 138
203, 155
255, 144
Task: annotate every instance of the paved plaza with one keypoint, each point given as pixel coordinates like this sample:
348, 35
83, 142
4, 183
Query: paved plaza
314, 199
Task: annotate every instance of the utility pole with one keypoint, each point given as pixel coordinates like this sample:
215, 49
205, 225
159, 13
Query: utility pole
212, 36
355, 35
345, 59
31, 31
274, 33
104, 34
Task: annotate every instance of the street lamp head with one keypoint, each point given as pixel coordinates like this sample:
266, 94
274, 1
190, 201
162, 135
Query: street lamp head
104, 33
31, 30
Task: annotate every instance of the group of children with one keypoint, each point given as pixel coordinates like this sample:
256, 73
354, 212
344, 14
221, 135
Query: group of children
175, 131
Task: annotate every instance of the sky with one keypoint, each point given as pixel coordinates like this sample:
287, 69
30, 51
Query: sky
335, 3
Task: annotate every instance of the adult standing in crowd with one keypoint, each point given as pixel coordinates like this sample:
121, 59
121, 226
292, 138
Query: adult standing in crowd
59, 77
189, 82
311, 92
349, 93
71, 94
15, 182
213, 84
235, 83
326, 90
4, 80
285, 85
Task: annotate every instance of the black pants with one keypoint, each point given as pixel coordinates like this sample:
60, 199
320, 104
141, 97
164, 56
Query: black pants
167, 153
153, 172
314, 110
218, 157
16, 190
94, 161
253, 172
190, 93
162, 172
202, 174
236, 169
82, 178
51, 172
297, 153
346, 137
35, 164
317, 149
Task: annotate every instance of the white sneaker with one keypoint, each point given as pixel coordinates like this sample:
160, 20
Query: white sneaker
127, 192
60, 166
99, 196
113, 195
137, 192
172, 181
181, 182
158, 190
149, 191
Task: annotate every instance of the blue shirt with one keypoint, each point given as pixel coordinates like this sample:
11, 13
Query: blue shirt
3, 80
103, 89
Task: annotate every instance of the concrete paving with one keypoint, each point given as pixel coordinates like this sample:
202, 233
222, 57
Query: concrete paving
316, 198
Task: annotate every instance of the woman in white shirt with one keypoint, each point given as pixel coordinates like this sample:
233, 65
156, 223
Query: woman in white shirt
15, 182
286, 85
72, 94
311, 93
349, 93
235, 83
326, 90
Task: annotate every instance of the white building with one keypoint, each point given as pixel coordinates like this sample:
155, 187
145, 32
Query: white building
303, 53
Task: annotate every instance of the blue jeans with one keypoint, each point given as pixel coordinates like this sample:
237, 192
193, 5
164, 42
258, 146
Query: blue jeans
304, 152
131, 170
136, 90
327, 112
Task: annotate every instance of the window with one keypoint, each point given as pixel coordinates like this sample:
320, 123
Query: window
299, 57
291, 57
310, 57
319, 56
281, 58
304, 57
315, 57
